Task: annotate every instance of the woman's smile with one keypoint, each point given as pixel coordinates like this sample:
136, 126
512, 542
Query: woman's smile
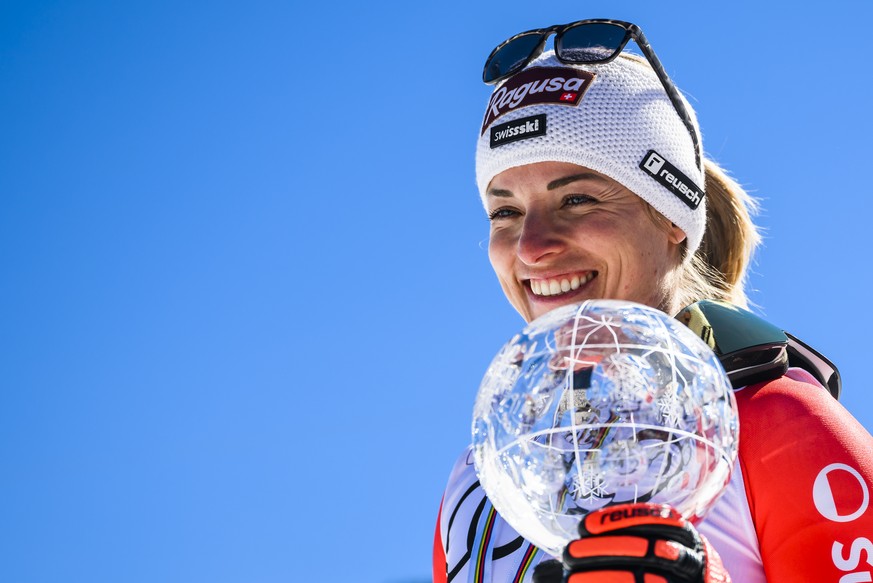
558, 286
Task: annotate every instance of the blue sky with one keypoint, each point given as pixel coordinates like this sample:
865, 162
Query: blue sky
246, 302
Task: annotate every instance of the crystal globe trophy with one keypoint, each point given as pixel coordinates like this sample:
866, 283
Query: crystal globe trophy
602, 403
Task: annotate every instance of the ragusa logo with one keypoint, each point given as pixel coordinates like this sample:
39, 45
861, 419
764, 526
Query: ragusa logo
840, 494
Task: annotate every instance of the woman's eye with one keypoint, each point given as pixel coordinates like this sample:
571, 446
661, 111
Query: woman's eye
502, 213
577, 199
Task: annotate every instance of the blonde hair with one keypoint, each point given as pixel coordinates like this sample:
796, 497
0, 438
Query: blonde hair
718, 270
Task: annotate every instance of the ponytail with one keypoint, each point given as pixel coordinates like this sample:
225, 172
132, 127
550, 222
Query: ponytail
718, 269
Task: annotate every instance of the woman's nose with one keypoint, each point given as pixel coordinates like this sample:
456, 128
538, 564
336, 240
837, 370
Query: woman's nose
540, 239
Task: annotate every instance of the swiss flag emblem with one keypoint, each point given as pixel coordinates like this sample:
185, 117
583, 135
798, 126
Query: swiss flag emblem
570, 96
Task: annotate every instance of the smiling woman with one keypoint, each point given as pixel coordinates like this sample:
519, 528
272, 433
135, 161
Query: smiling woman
590, 167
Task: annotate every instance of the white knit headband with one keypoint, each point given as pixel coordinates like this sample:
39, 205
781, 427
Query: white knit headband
615, 119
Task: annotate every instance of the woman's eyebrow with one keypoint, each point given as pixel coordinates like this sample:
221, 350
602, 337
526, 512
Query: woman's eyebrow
569, 179
558, 183
500, 192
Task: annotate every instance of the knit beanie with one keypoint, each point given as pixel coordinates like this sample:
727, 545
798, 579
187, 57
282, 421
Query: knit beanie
614, 118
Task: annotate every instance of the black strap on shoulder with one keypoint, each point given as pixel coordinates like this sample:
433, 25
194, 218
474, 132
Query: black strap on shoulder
752, 350
802, 355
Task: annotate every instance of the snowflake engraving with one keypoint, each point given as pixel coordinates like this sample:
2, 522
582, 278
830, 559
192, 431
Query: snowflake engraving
670, 408
588, 484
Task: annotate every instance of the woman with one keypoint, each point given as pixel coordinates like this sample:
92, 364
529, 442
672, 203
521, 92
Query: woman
590, 167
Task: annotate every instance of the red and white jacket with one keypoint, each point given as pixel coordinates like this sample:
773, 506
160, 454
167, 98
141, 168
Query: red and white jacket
797, 508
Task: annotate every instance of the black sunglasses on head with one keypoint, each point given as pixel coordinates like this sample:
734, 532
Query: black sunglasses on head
590, 42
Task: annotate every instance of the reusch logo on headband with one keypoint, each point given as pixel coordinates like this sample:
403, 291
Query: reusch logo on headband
672, 178
519, 129
554, 85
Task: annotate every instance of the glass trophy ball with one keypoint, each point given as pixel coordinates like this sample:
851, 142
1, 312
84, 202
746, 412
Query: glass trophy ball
602, 403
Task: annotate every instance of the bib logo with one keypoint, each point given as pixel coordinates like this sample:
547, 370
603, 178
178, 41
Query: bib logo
840, 494
538, 85
849, 484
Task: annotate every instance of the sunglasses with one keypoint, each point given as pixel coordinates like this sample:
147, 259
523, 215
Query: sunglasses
589, 42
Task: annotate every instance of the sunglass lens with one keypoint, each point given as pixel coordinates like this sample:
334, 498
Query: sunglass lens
591, 43
511, 57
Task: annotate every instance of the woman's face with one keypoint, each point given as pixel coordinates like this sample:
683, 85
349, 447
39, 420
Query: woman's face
561, 233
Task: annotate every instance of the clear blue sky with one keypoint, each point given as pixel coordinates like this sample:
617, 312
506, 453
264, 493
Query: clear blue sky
246, 302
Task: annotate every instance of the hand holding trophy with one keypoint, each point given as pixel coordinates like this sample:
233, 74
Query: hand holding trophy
597, 405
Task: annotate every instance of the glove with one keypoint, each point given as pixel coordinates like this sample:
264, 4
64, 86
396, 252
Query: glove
636, 543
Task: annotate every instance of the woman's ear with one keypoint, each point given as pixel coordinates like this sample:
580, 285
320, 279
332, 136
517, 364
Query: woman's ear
675, 234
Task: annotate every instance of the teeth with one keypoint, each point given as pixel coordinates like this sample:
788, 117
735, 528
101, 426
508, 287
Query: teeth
553, 287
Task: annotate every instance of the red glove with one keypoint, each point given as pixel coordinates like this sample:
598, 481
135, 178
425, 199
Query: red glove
637, 543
